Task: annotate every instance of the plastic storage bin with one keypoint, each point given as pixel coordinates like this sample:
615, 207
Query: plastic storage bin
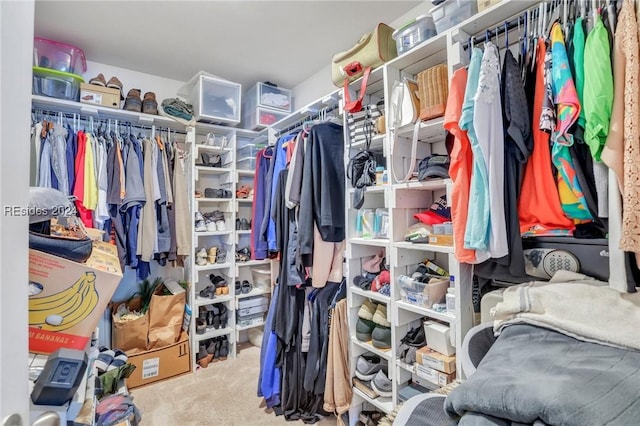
413, 33
249, 150
58, 56
422, 294
56, 84
452, 12
214, 100
248, 163
261, 117
261, 278
266, 95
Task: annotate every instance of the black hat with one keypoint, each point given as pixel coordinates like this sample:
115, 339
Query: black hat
434, 166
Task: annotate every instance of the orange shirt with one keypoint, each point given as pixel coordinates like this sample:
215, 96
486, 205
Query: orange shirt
539, 205
460, 166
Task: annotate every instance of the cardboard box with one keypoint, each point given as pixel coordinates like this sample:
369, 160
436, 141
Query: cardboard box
436, 360
441, 240
98, 95
483, 4
68, 299
439, 337
434, 376
160, 364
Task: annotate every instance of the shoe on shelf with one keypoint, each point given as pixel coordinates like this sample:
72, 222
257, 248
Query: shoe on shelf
238, 224
381, 384
381, 337
367, 366
365, 388
224, 315
364, 328
224, 348
201, 326
133, 101
383, 278
245, 225
380, 316
201, 257
114, 83
211, 254
367, 310
208, 292
202, 358
221, 257
246, 287
149, 104
98, 80
220, 225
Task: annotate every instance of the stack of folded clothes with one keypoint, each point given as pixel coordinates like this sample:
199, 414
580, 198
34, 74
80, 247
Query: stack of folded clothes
179, 110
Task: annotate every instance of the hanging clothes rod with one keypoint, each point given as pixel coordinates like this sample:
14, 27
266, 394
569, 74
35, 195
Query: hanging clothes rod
98, 121
314, 116
489, 34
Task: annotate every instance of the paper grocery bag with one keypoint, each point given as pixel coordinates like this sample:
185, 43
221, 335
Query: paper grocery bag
131, 336
166, 314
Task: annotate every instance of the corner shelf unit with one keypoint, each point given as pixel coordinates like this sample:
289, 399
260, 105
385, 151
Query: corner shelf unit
403, 200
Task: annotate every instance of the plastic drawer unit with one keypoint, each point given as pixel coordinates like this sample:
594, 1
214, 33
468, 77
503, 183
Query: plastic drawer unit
247, 163
452, 12
249, 150
261, 117
214, 99
56, 84
58, 56
268, 96
413, 33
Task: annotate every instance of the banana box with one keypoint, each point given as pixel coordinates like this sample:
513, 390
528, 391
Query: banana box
68, 299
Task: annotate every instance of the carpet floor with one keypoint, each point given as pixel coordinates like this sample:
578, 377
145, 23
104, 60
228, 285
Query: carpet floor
223, 394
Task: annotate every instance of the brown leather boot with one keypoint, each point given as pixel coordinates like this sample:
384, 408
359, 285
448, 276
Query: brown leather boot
149, 104
133, 102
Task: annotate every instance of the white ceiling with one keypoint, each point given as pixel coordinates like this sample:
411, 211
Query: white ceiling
284, 42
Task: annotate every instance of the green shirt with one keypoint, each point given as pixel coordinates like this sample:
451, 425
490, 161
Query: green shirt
598, 88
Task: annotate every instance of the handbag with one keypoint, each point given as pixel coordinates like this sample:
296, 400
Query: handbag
404, 110
361, 170
372, 50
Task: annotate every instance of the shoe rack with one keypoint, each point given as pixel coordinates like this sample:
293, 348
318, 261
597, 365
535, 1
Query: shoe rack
402, 201
216, 188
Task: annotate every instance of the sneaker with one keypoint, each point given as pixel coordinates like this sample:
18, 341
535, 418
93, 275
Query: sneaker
367, 366
367, 310
201, 257
200, 223
220, 225
381, 384
210, 225
381, 337
380, 316
114, 83
364, 328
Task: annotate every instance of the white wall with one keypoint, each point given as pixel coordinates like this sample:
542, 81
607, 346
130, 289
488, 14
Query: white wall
162, 87
320, 84
16, 47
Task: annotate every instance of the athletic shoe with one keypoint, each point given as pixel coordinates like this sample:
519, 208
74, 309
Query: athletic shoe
382, 385
367, 366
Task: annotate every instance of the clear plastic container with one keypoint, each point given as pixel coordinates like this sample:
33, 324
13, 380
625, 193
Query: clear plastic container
381, 223
56, 84
58, 56
214, 99
266, 95
452, 12
249, 150
422, 294
368, 218
413, 33
260, 117
248, 163
261, 278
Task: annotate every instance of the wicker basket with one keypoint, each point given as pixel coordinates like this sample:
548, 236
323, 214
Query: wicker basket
433, 86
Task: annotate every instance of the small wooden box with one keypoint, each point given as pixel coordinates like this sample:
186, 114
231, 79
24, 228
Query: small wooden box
98, 95
441, 240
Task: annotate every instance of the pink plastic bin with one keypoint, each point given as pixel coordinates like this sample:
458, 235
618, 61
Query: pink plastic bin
58, 56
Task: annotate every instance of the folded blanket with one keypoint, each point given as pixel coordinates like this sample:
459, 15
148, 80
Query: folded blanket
591, 313
533, 375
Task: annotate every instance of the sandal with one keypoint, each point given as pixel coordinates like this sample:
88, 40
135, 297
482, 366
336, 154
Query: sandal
208, 292
246, 287
243, 191
198, 194
212, 254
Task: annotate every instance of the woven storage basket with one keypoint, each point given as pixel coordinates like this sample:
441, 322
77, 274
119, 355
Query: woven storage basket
433, 86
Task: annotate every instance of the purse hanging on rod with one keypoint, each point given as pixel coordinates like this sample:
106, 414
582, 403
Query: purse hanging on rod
404, 109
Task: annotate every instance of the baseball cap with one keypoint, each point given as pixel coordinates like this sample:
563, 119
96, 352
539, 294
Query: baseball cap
434, 166
438, 213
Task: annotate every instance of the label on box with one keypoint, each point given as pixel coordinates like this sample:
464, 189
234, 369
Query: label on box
427, 373
91, 97
150, 368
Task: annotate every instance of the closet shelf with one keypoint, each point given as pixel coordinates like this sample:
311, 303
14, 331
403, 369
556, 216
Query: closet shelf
104, 113
308, 110
378, 242
244, 232
423, 247
371, 295
376, 189
369, 347
213, 267
213, 200
212, 149
375, 83
225, 130
490, 17
254, 262
245, 200
202, 301
248, 327
409, 367
213, 333
212, 233
254, 292
377, 143
430, 131
430, 52
212, 170
427, 185
383, 404
426, 312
